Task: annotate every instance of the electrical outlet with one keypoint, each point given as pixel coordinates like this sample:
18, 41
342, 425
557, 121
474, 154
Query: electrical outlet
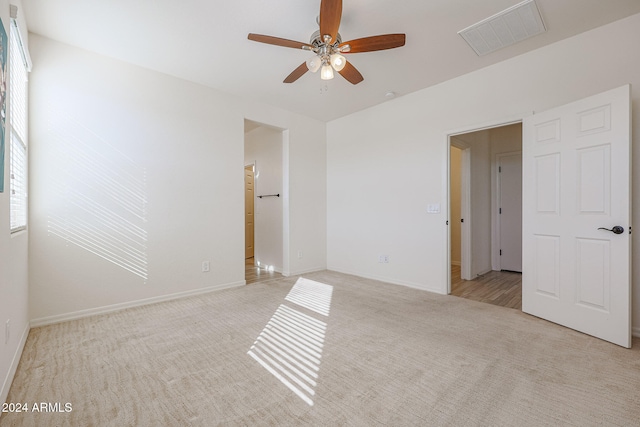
299, 254
206, 266
383, 259
7, 331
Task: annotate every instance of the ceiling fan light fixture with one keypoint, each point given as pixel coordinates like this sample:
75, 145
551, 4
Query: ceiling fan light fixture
327, 72
314, 63
338, 62
327, 45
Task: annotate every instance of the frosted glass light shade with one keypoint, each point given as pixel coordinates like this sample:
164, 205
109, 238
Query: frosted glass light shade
338, 61
327, 72
314, 63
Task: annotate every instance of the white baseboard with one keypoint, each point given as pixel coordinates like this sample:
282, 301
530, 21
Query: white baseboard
389, 280
59, 318
6, 385
483, 272
306, 271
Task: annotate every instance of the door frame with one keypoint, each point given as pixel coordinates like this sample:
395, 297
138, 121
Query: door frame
253, 167
446, 288
465, 207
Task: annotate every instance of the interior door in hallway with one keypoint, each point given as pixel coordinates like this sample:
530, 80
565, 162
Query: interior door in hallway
510, 211
577, 214
249, 217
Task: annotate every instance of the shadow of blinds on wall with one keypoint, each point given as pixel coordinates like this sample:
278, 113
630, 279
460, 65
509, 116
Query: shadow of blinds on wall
101, 198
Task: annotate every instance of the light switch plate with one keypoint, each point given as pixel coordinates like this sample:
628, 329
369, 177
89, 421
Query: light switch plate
433, 208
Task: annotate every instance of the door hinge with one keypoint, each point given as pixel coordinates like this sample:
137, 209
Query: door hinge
447, 222
500, 211
500, 252
499, 169
461, 219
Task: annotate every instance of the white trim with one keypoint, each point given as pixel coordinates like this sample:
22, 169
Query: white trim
392, 281
445, 289
286, 214
511, 120
305, 271
59, 318
244, 211
6, 385
465, 207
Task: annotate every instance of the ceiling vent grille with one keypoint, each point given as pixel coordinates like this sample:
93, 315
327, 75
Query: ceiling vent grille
505, 28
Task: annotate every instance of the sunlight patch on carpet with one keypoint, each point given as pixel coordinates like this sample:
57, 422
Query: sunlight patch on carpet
290, 346
313, 295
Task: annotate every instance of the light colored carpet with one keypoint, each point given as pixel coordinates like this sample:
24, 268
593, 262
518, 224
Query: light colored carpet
389, 355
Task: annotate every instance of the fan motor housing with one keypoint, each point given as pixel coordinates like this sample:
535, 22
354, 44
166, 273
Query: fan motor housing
316, 40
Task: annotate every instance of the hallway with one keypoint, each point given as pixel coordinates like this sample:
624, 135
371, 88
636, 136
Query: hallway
501, 288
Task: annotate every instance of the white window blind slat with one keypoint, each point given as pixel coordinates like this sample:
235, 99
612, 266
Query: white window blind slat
17, 132
18, 184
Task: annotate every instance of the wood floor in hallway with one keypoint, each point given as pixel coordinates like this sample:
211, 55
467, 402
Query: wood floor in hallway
255, 274
496, 287
501, 288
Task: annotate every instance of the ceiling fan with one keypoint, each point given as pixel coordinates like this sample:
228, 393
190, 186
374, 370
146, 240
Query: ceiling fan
328, 47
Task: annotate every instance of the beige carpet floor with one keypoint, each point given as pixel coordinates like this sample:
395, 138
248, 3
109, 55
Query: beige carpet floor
268, 354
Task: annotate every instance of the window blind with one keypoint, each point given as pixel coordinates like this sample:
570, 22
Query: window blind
18, 184
18, 131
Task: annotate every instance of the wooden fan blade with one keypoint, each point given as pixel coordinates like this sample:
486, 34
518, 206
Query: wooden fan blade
370, 44
330, 15
350, 73
278, 41
297, 73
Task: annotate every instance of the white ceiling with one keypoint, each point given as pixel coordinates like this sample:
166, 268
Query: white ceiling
205, 41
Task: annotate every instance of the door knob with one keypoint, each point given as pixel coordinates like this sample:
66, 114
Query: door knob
615, 230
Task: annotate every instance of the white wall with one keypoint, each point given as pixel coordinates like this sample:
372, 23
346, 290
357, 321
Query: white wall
263, 147
13, 264
385, 164
480, 209
137, 177
304, 186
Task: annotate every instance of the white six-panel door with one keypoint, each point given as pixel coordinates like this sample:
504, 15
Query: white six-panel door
576, 180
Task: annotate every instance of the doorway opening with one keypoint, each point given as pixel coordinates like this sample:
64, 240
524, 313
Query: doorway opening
266, 202
485, 215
